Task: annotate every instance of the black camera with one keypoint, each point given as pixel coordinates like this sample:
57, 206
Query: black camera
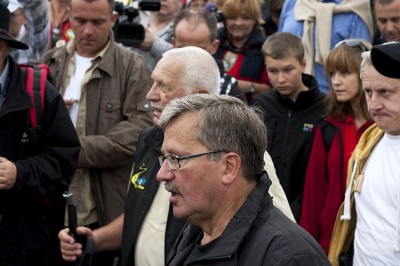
128, 31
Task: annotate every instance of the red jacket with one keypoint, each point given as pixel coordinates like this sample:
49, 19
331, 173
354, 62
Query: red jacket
325, 181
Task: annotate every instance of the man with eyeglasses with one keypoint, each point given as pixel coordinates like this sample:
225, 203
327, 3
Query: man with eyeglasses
218, 185
148, 228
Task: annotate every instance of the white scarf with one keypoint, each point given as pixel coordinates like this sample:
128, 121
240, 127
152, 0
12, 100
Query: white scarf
319, 15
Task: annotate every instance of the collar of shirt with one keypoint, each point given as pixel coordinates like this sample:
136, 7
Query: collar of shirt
71, 48
4, 78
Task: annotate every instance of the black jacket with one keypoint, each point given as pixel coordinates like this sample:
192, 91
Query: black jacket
290, 133
139, 200
44, 170
258, 234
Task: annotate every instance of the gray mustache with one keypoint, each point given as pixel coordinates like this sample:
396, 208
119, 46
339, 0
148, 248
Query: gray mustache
171, 187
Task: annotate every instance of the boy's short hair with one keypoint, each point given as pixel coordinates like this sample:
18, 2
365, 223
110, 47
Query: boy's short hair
281, 45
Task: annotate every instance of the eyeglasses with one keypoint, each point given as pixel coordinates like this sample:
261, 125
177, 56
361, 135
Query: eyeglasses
173, 161
353, 43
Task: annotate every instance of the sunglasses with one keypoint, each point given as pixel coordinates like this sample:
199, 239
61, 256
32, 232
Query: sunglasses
353, 43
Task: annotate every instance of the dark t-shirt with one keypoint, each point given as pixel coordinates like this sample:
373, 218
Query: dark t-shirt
198, 251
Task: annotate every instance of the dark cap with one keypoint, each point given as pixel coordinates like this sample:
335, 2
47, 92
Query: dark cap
386, 59
4, 28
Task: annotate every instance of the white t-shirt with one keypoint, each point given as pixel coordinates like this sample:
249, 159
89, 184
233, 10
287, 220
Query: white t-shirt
377, 235
150, 244
73, 90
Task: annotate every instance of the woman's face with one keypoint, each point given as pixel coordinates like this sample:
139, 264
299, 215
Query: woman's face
239, 27
346, 86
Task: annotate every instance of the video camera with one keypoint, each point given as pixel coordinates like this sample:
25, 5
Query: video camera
128, 31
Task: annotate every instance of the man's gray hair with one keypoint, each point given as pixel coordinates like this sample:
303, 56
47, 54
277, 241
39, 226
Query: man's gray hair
199, 69
224, 122
365, 61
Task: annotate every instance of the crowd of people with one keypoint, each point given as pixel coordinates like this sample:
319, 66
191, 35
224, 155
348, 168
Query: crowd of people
236, 132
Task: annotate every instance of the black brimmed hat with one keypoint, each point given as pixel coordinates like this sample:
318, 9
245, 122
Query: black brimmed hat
386, 59
4, 28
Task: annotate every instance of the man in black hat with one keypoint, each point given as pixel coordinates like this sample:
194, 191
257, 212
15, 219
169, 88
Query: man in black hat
374, 181
36, 164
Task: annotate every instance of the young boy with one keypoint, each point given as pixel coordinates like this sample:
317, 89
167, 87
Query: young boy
291, 112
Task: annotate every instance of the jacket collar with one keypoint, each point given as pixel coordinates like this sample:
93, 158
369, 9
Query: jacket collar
305, 97
108, 55
155, 138
17, 98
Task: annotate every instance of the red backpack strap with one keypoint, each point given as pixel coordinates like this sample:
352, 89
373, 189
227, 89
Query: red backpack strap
36, 77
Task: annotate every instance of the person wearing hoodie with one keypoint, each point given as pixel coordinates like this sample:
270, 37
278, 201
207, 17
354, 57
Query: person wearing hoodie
367, 228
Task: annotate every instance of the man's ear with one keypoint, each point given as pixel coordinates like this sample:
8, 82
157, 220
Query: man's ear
232, 166
200, 91
303, 65
114, 17
214, 46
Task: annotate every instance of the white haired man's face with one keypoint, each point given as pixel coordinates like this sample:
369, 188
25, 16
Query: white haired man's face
167, 85
383, 98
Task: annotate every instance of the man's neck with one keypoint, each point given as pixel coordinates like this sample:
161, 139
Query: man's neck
235, 197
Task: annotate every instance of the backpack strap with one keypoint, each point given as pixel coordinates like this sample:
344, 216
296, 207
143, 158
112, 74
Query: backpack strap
328, 132
36, 77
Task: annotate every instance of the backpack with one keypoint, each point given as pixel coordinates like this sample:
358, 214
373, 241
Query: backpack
36, 76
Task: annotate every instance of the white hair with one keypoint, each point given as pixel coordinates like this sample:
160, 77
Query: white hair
199, 69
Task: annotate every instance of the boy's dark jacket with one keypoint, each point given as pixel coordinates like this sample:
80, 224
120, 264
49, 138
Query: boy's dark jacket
291, 128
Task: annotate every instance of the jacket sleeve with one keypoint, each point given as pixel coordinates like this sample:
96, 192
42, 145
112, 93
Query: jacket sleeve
315, 186
52, 166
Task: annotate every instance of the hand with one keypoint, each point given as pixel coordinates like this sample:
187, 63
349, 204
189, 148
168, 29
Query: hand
8, 174
69, 103
71, 250
148, 41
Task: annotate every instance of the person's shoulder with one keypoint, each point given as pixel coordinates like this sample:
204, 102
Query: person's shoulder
288, 241
124, 55
264, 99
54, 53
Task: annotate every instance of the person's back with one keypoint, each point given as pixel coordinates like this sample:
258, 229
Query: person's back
331, 22
291, 111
